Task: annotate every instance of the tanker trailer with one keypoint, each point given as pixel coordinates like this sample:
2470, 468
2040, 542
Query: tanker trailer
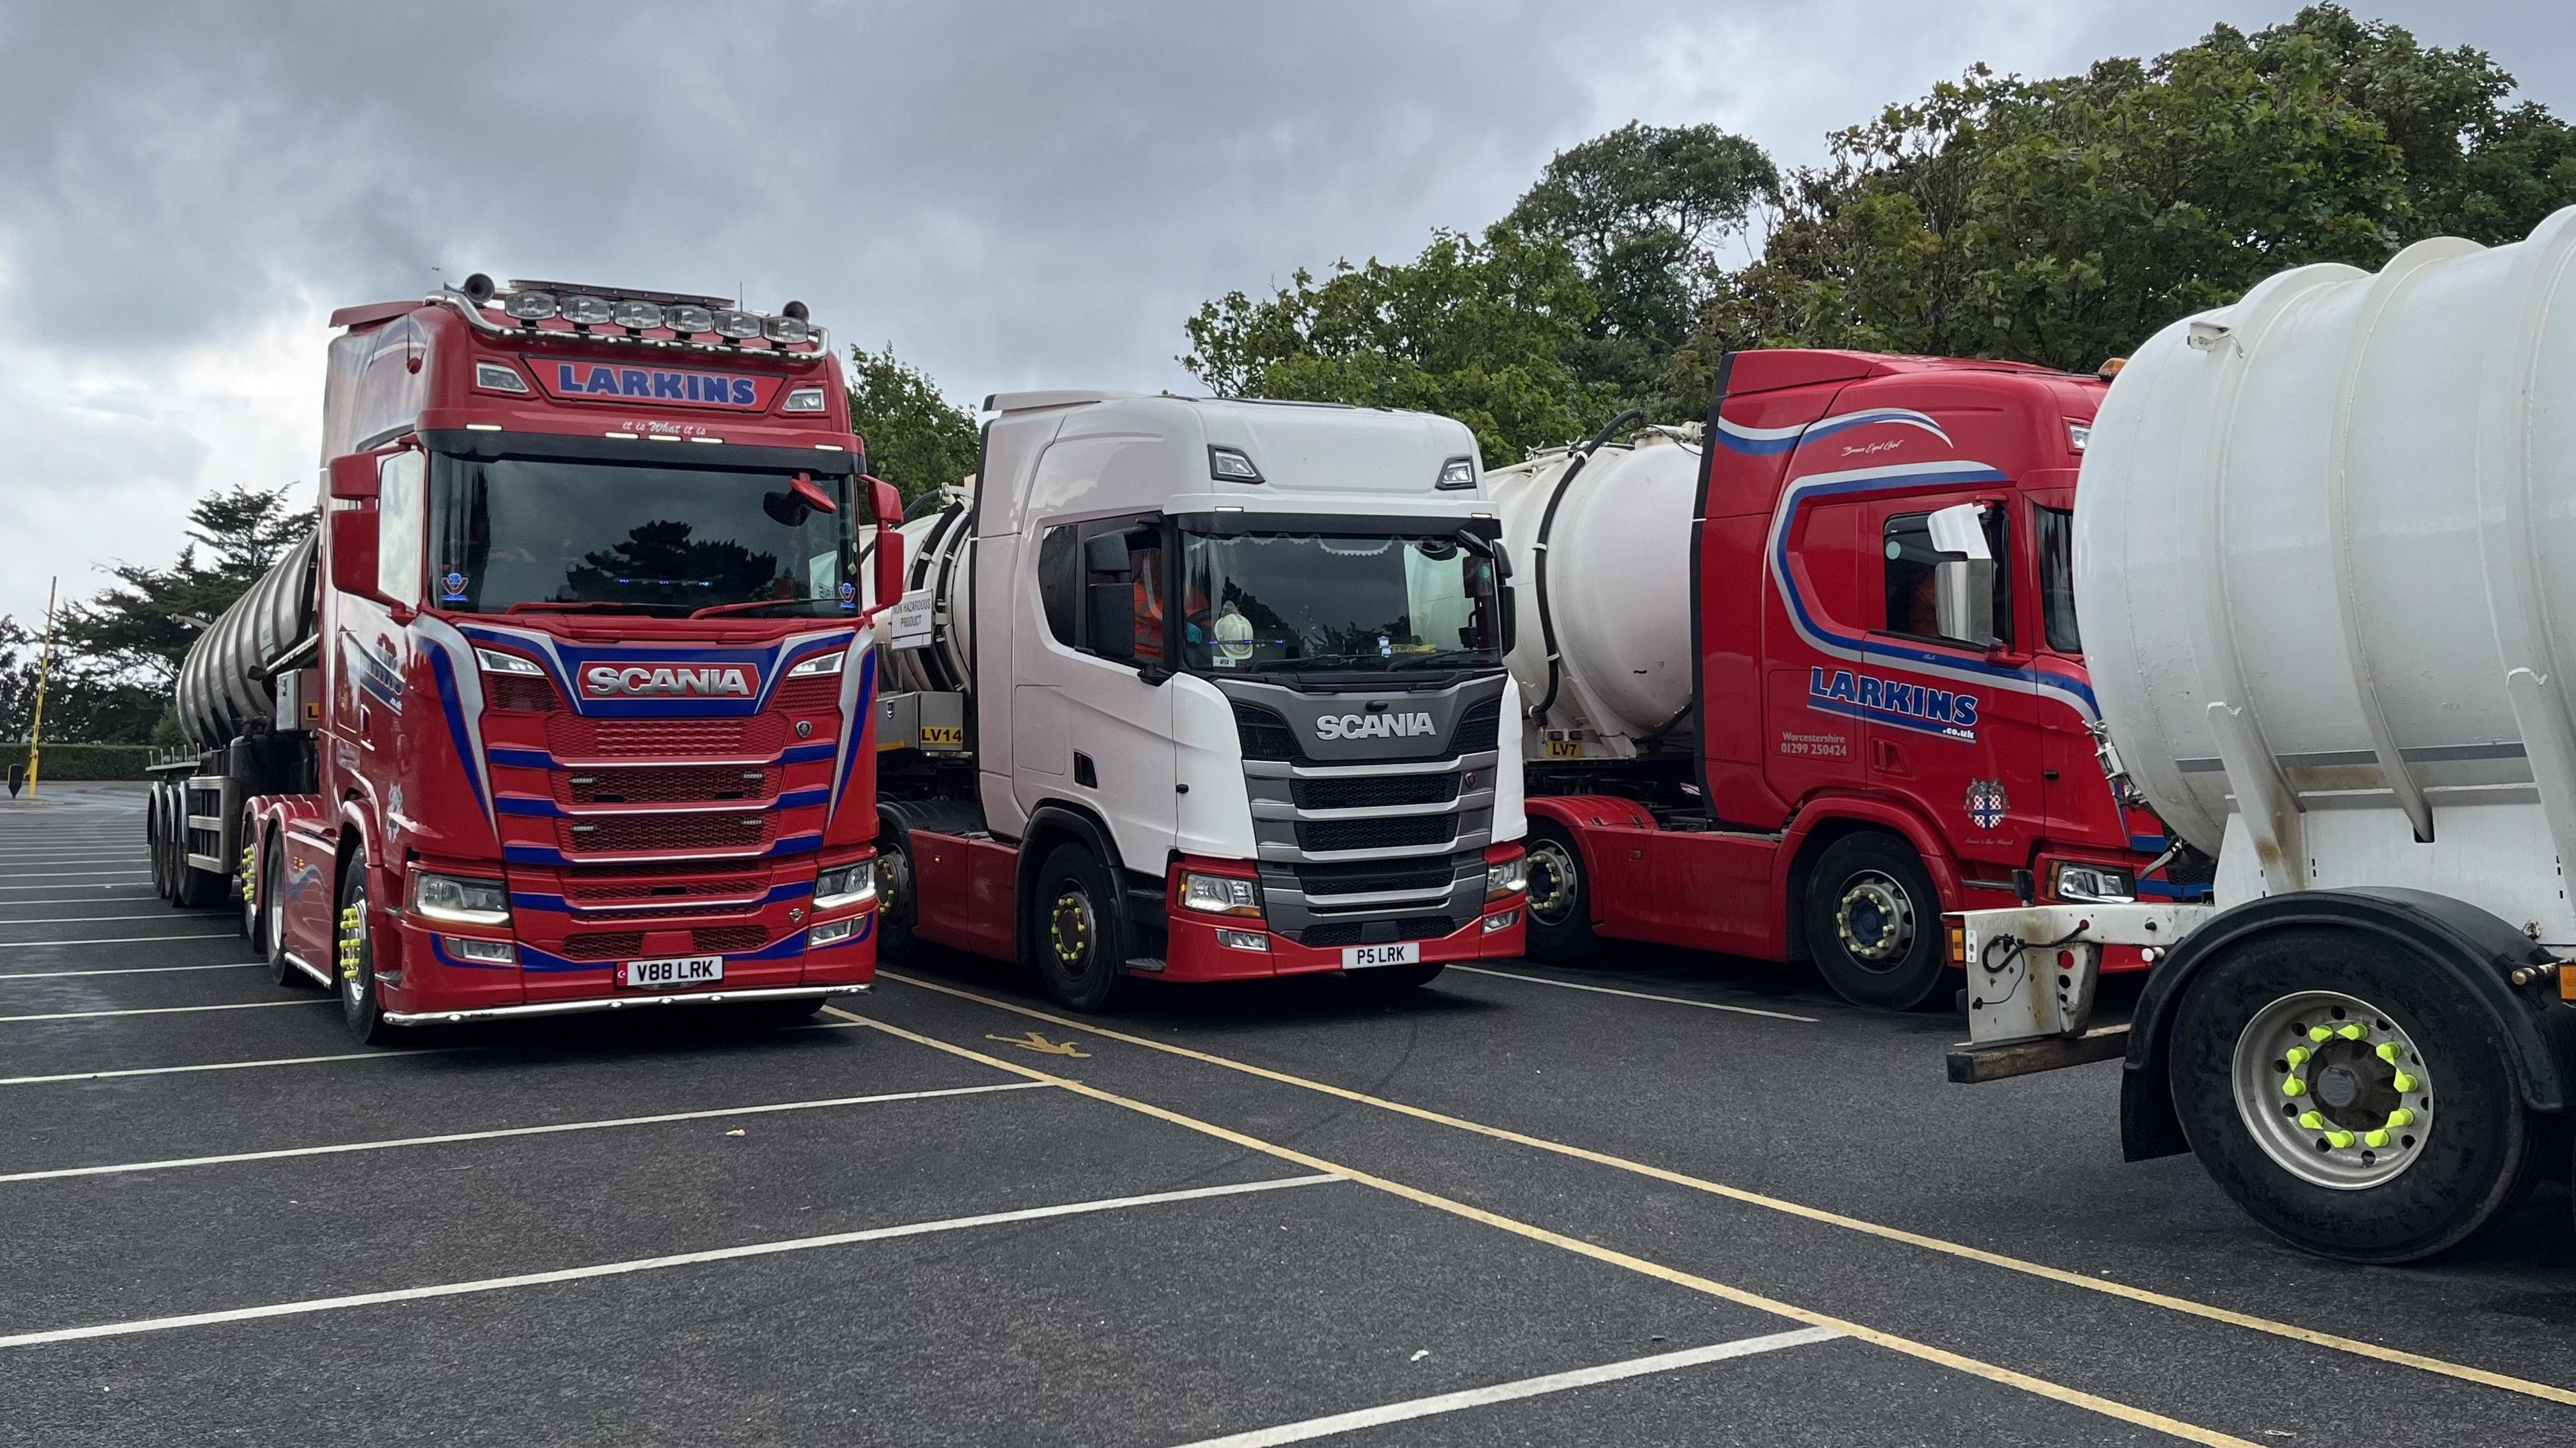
2326, 562
242, 695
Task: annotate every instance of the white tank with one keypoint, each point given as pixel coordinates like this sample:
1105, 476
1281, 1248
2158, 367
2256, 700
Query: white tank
1616, 589
938, 558
2326, 574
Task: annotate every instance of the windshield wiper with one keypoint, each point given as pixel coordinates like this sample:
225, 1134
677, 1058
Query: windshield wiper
550, 605
711, 610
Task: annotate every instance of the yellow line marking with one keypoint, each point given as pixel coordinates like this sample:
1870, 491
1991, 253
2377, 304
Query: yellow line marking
1991, 1372
1040, 1044
2548, 1392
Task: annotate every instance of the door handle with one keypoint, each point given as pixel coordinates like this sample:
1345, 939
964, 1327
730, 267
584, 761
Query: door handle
1884, 758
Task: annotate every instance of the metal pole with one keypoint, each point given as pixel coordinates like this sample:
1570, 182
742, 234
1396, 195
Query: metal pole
44, 664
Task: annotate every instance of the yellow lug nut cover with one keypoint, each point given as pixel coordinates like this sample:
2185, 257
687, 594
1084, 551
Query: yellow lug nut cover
2320, 1034
2294, 1087
2340, 1139
2352, 1033
2388, 1052
2405, 1082
2401, 1117
2311, 1121
2298, 1055
2375, 1138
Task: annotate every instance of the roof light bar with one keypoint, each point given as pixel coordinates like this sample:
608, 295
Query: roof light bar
587, 311
636, 316
629, 314
741, 326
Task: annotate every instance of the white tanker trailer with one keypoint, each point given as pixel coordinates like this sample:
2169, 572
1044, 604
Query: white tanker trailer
2325, 559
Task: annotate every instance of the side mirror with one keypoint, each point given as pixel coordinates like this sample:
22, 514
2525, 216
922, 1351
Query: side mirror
1111, 623
1507, 599
353, 478
353, 542
886, 583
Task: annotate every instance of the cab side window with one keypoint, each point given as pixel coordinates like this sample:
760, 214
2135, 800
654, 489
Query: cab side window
1060, 583
1913, 593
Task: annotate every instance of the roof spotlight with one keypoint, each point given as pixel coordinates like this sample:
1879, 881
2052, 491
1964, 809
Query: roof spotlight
685, 318
736, 324
588, 311
788, 330
529, 306
636, 316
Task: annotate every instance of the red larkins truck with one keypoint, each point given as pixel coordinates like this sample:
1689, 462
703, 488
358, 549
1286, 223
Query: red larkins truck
1798, 693
567, 705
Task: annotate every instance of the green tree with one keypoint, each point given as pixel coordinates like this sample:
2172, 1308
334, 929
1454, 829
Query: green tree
2062, 221
135, 630
1475, 328
1644, 210
916, 438
80, 705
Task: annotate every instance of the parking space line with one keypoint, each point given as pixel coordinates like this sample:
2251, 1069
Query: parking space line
1338, 1423
1977, 1367
655, 1264
69, 1077
1630, 994
61, 875
129, 970
118, 939
555, 1129
82, 899
173, 1010
2144, 1296
82, 919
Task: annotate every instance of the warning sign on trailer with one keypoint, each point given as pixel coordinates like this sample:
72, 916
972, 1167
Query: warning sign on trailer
908, 622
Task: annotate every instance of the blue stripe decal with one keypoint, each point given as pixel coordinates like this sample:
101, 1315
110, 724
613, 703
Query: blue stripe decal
564, 662
861, 717
1882, 716
806, 753
518, 758
798, 844
1770, 441
799, 798
520, 804
544, 962
449, 704
557, 905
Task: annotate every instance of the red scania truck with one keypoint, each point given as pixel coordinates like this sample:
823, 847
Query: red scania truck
1798, 693
567, 705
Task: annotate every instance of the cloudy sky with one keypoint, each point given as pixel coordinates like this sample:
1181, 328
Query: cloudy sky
1013, 193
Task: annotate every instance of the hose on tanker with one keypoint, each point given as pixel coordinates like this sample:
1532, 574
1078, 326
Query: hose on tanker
1538, 568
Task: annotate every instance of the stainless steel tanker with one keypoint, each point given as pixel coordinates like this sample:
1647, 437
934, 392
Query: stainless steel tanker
224, 689
2325, 560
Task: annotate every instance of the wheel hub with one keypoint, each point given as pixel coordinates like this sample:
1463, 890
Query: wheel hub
1551, 883
2332, 1089
1069, 928
1875, 919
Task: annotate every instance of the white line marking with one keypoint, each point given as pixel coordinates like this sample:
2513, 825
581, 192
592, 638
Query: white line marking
80, 899
60, 874
651, 1264
172, 1010
1634, 994
713, 1114
115, 940
129, 970
70, 1076
1507, 1392
78, 918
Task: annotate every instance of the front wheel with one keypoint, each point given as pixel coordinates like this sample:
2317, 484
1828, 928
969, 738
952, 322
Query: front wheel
1874, 922
2348, 1095
360, 1010
1077, 929
895, 901
1559, 901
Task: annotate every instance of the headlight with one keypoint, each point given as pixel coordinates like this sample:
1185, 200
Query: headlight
2092, 884
496, 662
1220, 894
845, 885
819, 664
465, 902
1510, 877
803, 399
2077, 435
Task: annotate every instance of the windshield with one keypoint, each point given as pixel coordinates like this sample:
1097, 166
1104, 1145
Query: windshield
531, 534
1291, 603
2057, 579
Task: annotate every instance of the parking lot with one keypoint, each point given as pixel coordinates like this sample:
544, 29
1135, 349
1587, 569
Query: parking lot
1668, 1200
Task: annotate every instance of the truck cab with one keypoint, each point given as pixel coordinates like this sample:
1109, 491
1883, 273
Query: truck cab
1228, 690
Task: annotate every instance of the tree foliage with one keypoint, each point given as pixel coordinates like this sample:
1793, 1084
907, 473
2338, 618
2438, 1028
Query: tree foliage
133, 630
916, 438
1477, 328
1644, 209
2062, 221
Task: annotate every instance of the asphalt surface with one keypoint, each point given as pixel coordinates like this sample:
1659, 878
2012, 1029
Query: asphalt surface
1505, 1209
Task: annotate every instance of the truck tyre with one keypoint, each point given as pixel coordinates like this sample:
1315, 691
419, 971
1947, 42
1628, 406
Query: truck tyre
354, 961
197, 889
1560, 899
1076, 929
272, 914
2348, 1096
152, 845
1874, 922
895, 900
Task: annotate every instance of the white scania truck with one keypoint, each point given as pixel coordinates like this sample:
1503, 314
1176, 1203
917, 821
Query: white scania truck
1203, 690
2325, 558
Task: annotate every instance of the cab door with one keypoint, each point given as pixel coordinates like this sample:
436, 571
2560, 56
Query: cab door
1947, 695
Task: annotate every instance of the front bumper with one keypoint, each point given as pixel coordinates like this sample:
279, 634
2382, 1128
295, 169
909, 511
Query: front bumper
618, 1003
1192, 952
